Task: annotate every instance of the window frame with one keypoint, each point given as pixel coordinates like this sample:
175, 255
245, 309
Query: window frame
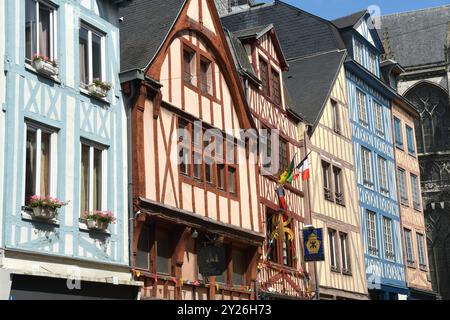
276, 254
389, 248
336, 116
366, 167
332, 248
421, 251
265, 81
102, 35
363, 116
193, 78
338, 186
398, 134
379, 118
345, 253
415, 191
410, 140
327, 181
371, 233
209, 76
383, 175
276, 87
403, 188
409, 247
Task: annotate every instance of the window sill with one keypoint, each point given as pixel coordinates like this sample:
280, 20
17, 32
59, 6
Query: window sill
411, 265
86, 93
400, 147
335, 269
83, 227
33, 70
423, 268
347, 273
26, 216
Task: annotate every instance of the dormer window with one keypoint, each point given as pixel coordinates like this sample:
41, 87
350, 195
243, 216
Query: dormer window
264, 76
358, 52
372, 63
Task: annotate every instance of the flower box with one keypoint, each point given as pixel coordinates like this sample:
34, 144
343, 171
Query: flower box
97, 91
99, 220
45, 207
97, 225
45, 67
44, 213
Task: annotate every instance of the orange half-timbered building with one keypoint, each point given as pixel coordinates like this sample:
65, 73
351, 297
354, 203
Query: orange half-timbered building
178, 75
258, 55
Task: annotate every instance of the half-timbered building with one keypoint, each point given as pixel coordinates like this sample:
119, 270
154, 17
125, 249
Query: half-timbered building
61, 136
261, 62
180, 83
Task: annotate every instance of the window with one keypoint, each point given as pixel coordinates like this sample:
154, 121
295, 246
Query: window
410, 140
362, 108
402, 186
373, 63
163, 251
336, 118
379, 119
91, 52
283, 155
232, 183
40, 29
398, 133
267, 143
415, 191
421, 251
345, 253
276, 88
190, 69
388, 243
239, 267
206, 77
326, 171
358, 54
338, 190
143, 249
371, 233
184, 146
382, 174
40, 150
92, 169
409, 247
332, 245
264, 76
279, 252
366, 162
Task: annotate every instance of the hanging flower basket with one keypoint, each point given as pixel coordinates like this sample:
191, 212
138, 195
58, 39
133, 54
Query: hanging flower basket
45, 66
45, 208
99, 88
99, 220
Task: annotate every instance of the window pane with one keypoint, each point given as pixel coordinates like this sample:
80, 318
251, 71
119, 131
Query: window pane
30, 29
371, 233
96, 56
398, 133
221, 176
84, 201
84, 54
332, 245
197, 165
30, 166
143, 248
238, 267
44, 30
97, 197
336, 120
208, 173
276, 89
189, 67
45, 164
388, 244
264, 75
163, 252
206, 77
272, 253
232, 179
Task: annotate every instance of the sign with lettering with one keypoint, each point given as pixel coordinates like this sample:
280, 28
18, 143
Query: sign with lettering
313, 245
212, 260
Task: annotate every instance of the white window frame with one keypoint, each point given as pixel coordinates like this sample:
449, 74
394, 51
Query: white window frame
372, 61
53, 29
371, 226
421, 250
366, 158
333, 253
53, 159
336, 116
389, 253
379, 118
362, 108
102, 36
409, 247
104, 193
359, 51
382, 172
345, 255
404, 199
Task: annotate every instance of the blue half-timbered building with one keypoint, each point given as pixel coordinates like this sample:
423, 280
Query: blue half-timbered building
370, 116
63, 134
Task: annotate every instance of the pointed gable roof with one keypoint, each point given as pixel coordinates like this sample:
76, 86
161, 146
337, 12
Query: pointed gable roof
350, 20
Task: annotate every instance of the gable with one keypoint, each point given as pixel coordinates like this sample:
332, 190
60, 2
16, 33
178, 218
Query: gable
366, 28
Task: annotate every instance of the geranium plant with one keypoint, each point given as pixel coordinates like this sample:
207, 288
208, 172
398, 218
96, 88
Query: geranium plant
46, 202
104, 85
101, 216
40, 57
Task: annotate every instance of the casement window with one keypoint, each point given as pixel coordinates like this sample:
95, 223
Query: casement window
93, 177
232, 180
371, 232
190, 66
40, 162
358, 52
279, 252
208, 159
409, 247
184, 147
276, 87
366, 165
398, 133
345, 253
382, 175
164, 251
91, 54
402, 186
410, 140
362, 108
267, 143
415, 191
421, 251
388, 243
333, 250
239, 267
40, 29
143, 249
372, 63
338, 185
336, 116
264, 75
326, 175
379, 119
206, 76
221, 176
283, 160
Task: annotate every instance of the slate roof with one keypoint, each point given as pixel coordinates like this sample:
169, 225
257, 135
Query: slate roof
255, 32
300, 33
145, 27
417, 37
310, 81
350, 20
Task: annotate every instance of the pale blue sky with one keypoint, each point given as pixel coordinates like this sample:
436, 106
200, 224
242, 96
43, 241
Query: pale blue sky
331, 9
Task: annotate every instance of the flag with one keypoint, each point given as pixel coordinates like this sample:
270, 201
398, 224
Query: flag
281, 197
286, 176
305, 170
299, 170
